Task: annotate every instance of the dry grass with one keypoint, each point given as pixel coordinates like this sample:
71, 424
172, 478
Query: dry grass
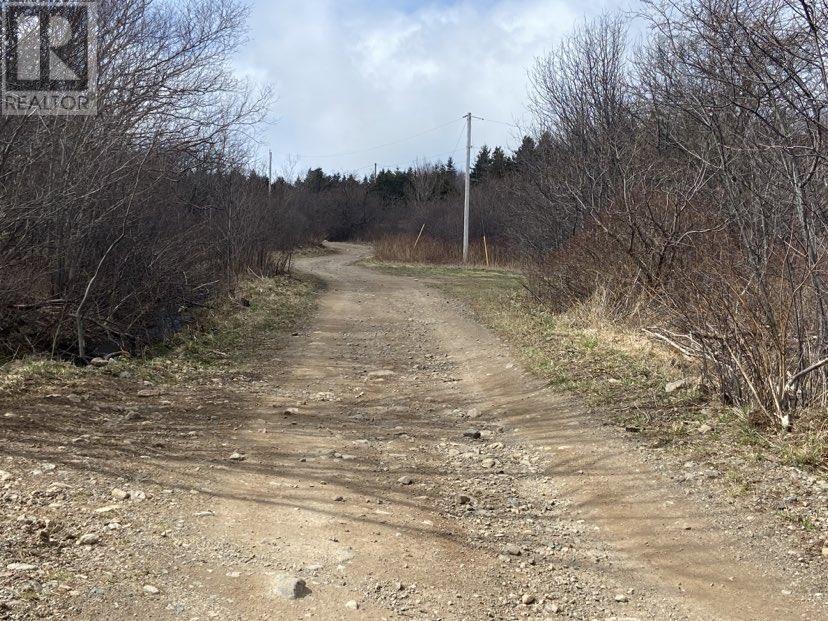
224, 338
17, 375
407, 249
220, 340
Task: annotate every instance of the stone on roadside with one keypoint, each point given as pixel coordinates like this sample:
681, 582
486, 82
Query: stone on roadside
489, 463
99, 362
683, 384
352, 605
405, 480
89, 539
621, 599
512, 550
21, 567
119, 494
528, 599
289, 587
380, 374
5, 476
474, 434
237, 457
825, 551
151, 590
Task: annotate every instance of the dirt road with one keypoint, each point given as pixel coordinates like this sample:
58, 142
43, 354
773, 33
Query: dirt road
378, 493
399, 461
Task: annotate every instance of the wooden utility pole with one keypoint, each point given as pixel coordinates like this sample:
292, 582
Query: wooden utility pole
468, 189
270, 173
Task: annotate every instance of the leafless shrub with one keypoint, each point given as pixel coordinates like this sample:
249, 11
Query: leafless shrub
692, 178
112, 226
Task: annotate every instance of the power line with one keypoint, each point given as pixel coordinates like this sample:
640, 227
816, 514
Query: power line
451, 153
501, 123
398, 165
459, 138
379, 146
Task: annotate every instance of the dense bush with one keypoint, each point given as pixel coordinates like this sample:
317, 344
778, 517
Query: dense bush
112, 226
694, 177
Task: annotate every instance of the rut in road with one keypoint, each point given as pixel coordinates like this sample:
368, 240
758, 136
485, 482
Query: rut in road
379, 494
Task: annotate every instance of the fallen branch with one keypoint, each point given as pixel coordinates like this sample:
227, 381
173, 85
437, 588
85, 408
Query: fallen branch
680, 348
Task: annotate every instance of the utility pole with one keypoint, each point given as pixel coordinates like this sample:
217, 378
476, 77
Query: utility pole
375, 171
270, 173
468, 189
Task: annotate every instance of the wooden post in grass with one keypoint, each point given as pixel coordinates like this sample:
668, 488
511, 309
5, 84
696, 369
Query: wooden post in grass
486, 250
417, 241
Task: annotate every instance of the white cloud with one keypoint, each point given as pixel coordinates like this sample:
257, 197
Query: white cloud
352, 74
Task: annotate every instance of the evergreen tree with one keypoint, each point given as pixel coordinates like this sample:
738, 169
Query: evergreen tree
448, 179
482, 165
316, 180
525, 152
391, 185
501, 164
545, 144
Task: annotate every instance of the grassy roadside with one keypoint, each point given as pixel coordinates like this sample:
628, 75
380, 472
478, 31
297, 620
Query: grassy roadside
617, 370
222, 340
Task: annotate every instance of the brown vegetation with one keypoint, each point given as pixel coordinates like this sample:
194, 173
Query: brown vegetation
427, 249
693, 179
113, 226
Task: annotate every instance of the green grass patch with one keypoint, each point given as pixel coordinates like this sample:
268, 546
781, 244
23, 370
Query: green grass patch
18, 375
224, 338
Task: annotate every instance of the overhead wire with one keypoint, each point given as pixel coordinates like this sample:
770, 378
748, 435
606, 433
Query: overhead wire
426, 158
379, 146
405, 139
501, 123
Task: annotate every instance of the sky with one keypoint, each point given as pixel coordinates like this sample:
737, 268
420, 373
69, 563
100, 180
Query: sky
359, 82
